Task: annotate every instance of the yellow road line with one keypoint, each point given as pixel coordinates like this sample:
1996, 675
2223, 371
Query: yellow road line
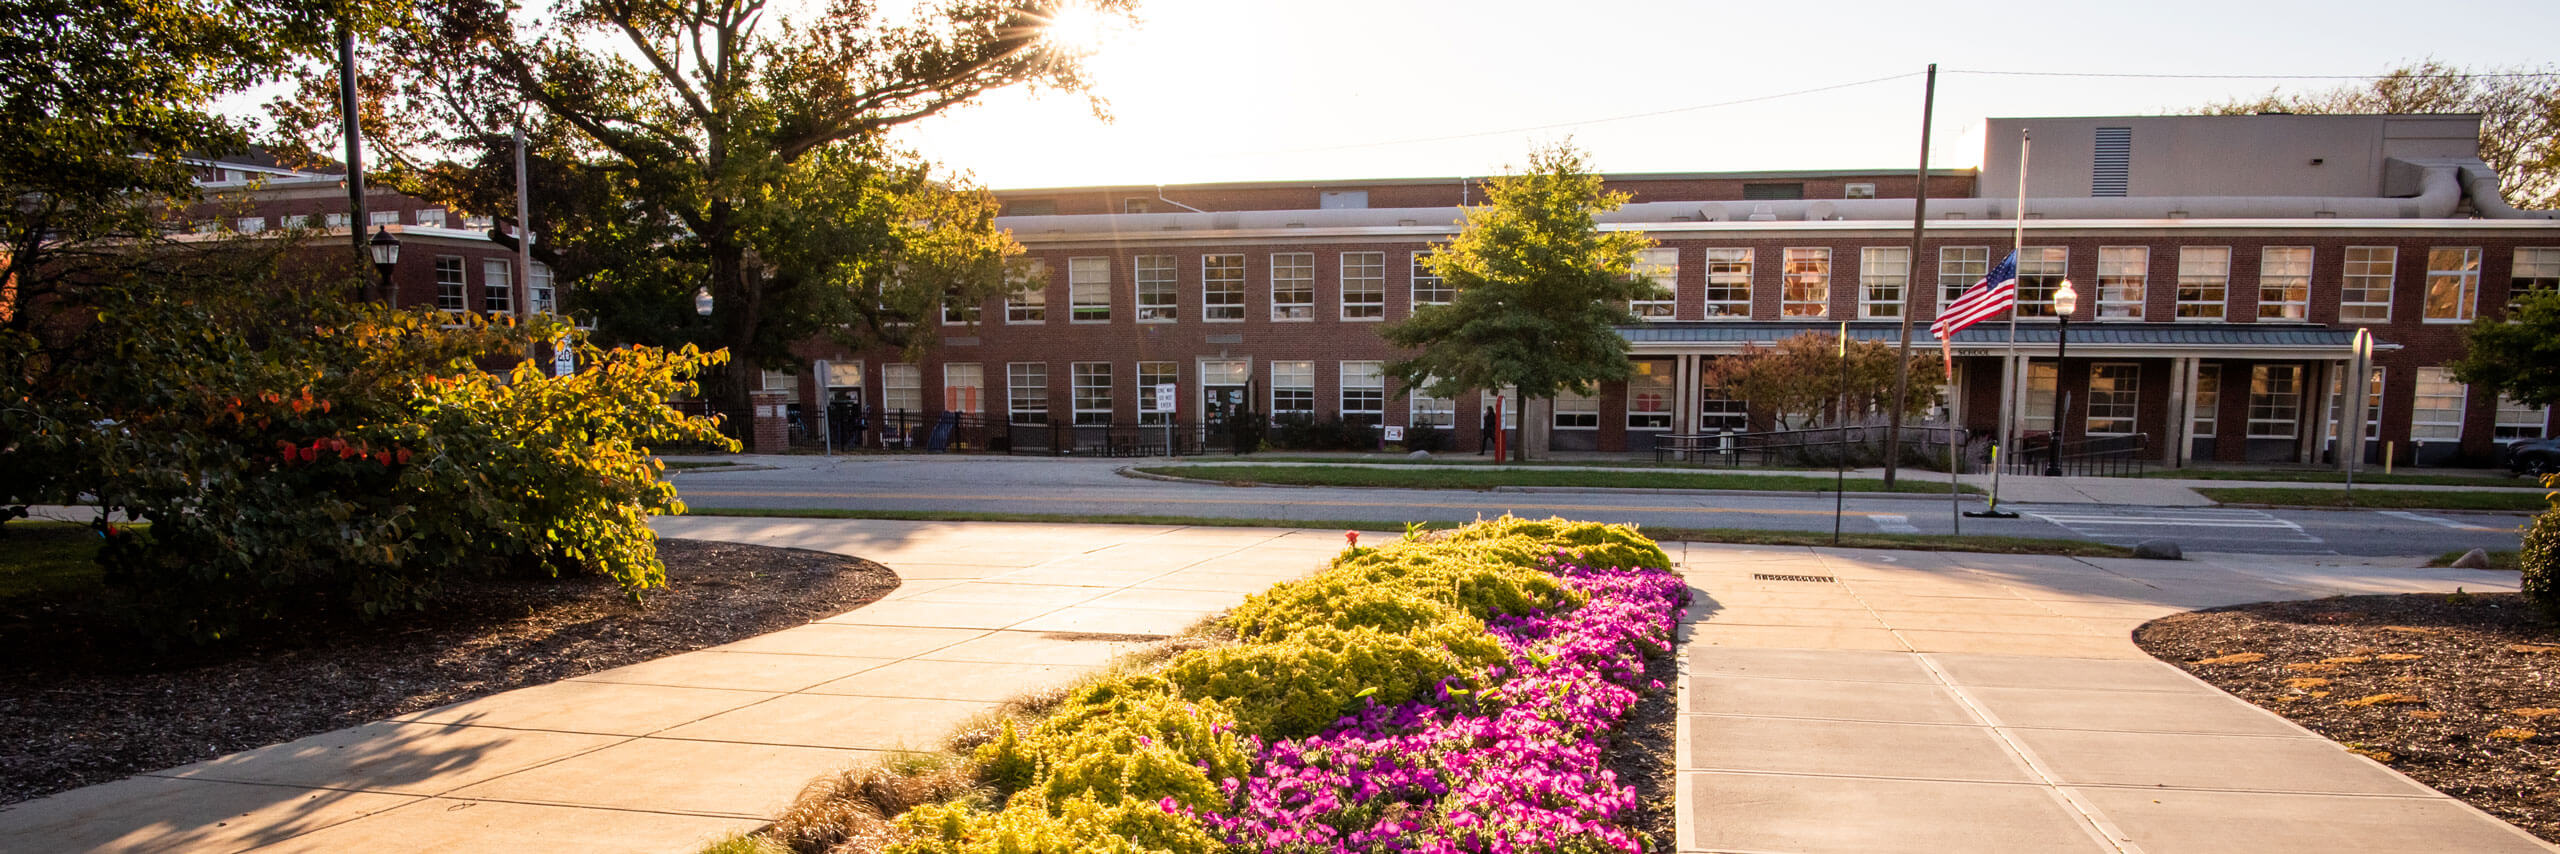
691, 494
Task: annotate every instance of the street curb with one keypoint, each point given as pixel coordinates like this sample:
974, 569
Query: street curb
2474, 512
720, 469
1132, 472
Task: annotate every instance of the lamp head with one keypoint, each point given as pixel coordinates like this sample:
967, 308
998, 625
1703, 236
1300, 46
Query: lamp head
2066, 300
385, 248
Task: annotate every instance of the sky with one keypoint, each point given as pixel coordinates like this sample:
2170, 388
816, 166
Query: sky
1224, 90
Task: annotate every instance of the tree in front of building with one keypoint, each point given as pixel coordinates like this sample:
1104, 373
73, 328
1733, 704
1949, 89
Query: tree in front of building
2519, 116
1799, 382
1541, 291
2519, 357
746, 152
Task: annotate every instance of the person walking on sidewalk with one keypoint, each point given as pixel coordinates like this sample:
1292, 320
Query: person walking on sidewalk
1484, 435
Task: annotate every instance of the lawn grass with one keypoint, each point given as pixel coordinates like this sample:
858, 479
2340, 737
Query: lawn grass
1740, 536
2369, 498
1490, 478
2498, 558
2372, 477
39, 558
1458, 460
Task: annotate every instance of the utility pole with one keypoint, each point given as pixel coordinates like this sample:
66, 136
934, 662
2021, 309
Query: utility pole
356, 218
1910, 291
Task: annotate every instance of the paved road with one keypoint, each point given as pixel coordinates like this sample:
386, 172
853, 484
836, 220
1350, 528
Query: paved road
1093, 488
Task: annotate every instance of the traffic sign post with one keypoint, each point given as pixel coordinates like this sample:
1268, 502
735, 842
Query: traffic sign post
1165, 404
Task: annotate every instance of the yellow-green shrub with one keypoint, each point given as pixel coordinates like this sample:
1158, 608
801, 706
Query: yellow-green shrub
1295, 687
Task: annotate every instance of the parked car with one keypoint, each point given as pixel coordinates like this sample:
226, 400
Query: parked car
2534, 456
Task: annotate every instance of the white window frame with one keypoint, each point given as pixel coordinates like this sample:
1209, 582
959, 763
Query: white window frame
1729, 272
1222, 287
383, 218
1364, 286
1573, 412
2517, 422
335, 220
1649, 396
2206, 420
1026, 392
1153, 373
2462, 279
249, 225
1156, 288
453, 284
540, 285
959, 312
2436, 404
2535, 268
1805, 288
1089, 289
1959, 267
2372, 406
2041, 270
497, 285
2269, 405
2284, 284
2357, 280
1296, 378
1719, 413
2204, 284
2121, 410
1293, 286
1090, 400
1364, 392
1883, 268
2124, 282
1662, 265
1030, 306
901, 388
2041, 379
1423, 410
1429, 289
964, 387
294, 221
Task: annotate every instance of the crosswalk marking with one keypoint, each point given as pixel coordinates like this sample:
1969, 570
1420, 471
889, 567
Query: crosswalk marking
1893, 523
2128, 523
2436, 520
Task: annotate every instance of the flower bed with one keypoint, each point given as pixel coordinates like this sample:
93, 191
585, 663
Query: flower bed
1451, 692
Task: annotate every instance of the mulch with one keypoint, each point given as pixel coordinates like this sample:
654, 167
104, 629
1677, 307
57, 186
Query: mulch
81, 703
2460, 691
1640, 753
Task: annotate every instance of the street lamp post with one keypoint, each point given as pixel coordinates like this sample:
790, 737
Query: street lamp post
2065, 301
386, 255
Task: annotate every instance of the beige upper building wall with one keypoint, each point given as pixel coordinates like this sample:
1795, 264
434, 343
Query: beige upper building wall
2260, 155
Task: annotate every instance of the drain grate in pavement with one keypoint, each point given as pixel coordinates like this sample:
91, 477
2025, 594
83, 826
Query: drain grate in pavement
1757, 576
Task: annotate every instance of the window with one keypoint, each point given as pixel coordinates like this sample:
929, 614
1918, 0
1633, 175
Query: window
1135, 206
2039, 275
1649, 396
1428, 289
434, 218
2453, 283
957, 310
2115, 395
1293, 286
537, 281
1959, 267
480, 222
1092, 392
497, 286
1089, 290
2535, 270
1772, 192
1729, 283
1428, 411
1335, 200
1293, 387
2372, 407
1030, 207
2364, 291
2040, 382
449, 283
2204, 281
2275, 400
782, 381
1364, 393
1364, 285
250, 225
1858, 191
2436, 412
2123, 272
1576, 411
1151, 375
2208, 401
385, 217
335, 220
901, 389
1883, 271
1026, 392
1030, 305
2284, 283
1662, 267
294, 221
2518, 421
1221, 287
964, 387
1808, 284
1720, 411
1156, 289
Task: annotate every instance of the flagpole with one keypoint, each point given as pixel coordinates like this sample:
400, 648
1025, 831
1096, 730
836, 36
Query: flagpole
2011, 402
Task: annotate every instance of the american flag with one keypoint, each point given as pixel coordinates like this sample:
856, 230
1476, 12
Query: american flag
1994, 294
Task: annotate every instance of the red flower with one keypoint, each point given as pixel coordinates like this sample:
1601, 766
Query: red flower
308, 454
404, 456
1352, 537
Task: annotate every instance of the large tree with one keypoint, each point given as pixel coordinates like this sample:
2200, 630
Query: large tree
2518, 357
1541, 291
2519, 115
722, 149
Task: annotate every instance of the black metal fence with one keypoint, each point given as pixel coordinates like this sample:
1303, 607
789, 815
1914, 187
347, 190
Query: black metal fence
2096, 456
1923, 445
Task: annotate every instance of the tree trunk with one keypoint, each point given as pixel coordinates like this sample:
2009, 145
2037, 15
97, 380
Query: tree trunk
736, 306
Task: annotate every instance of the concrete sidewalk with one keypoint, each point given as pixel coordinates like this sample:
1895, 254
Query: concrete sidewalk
667, 755
1871, 701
